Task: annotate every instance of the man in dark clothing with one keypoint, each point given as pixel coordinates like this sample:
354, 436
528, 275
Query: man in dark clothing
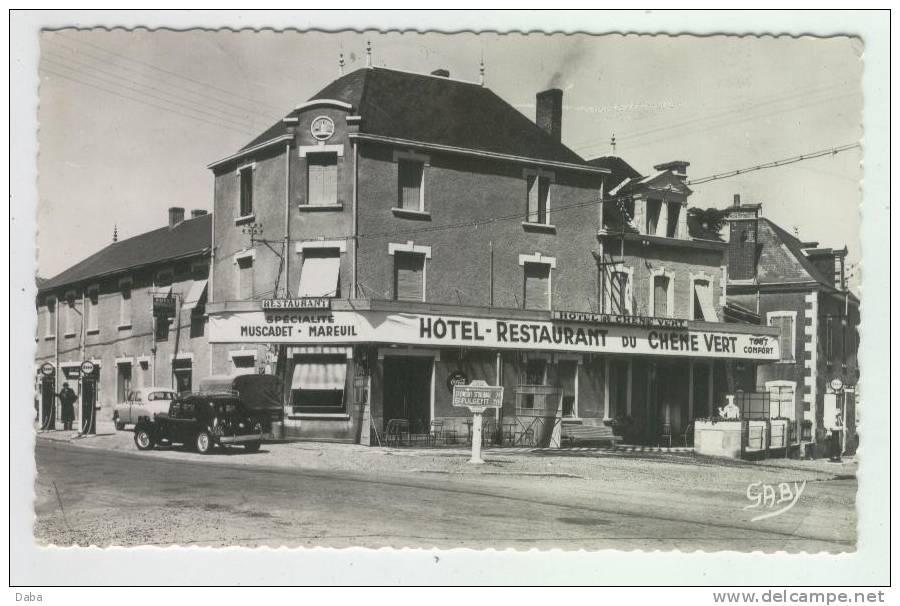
67, 397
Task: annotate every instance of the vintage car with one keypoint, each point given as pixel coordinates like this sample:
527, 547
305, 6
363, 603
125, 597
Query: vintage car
216, 416
144, 402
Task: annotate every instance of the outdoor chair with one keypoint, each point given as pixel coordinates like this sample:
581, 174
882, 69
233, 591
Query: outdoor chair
666, 435
395, 430
419, 435
688, 435
437, 432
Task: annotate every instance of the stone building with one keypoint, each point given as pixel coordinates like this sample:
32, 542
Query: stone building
398, 233
101, 310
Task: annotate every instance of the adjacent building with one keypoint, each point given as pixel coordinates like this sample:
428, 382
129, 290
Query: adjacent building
101, 310
398, 233
800, 289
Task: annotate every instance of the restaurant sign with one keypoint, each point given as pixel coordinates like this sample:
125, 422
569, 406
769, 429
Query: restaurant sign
331, 327
477, 396
301, 303
164, 306
595, 318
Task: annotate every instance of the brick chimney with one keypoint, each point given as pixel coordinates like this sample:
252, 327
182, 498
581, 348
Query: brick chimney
197, 212
443, 73
548, 115
176, 215
743, 239
678, 168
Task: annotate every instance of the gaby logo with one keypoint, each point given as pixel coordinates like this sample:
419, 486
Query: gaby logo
773, 499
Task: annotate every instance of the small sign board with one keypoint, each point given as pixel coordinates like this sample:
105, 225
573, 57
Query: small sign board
47, 369
300, 303
164, 306
478, 395
87, 368
639, 321
457, 377
837, 384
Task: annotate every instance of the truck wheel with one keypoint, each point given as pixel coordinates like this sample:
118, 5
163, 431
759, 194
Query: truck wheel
143, 440
251, 446
204, 442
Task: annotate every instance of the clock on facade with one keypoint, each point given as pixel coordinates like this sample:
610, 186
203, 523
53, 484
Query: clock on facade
322, 128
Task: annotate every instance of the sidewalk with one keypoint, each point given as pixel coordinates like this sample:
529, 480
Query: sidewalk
620, 463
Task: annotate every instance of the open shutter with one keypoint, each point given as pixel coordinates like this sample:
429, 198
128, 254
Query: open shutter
703, 303
409, 275
319, 274
537, 286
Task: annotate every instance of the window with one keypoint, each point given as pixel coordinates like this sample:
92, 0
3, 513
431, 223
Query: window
654, 208
410, 190
537, 286
784, 322
183, 375
618, 293
198, 322
244, 363
538, 197
672, 220
409, 276
781, 399
125, 305
661, 296
320, 273
536, 371
90, 310
321, 171
702, 303
161, 327
246, 177
318, 384
51, 318
123, 380
71, 313
829, 339
200, 270
568, 383
244, 277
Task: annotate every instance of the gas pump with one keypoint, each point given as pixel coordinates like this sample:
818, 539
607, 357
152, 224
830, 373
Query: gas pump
833, 418
48, 396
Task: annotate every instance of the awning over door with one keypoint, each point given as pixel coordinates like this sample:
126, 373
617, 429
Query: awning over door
319, 275
325, 375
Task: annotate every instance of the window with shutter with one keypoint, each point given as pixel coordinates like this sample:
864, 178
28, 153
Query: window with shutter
672, 226
90, 311
410, 175
246, 191
320, 273
618, 293
785, 325
537, 286
538, 194
125, 305
321, 171
409, 276
661, 296
703, 302
653, 211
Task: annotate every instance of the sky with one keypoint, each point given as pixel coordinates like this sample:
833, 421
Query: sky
129, 120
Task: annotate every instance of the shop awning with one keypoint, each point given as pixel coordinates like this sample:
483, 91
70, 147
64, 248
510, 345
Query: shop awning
319, 276
195, 295
325, 375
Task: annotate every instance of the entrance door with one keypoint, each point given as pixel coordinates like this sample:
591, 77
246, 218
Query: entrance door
672, 395
407, 390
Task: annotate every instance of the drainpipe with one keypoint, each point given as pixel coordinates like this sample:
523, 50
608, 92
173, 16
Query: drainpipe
353, 239
287, 220
56, 362
211, 272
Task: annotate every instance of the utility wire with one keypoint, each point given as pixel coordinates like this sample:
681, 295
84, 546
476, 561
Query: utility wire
145, 102
115, 83
244, 117
255, 102
832, 151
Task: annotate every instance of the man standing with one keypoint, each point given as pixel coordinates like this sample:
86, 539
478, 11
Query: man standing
67, 398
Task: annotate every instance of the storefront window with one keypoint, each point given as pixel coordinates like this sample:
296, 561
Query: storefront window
318, 384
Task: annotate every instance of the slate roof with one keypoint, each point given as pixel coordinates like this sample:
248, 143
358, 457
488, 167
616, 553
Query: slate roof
438, 110
782, 258
190, 237
620, 170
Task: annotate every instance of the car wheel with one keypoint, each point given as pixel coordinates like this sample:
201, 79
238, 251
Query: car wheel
251, 446
204, 442
119, 424
143, 440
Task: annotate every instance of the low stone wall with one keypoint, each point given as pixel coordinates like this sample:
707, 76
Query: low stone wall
719, 439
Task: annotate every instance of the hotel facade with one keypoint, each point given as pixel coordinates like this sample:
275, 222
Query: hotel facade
400, 233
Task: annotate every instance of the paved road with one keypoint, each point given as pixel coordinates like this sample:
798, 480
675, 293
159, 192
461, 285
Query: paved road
91, 496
